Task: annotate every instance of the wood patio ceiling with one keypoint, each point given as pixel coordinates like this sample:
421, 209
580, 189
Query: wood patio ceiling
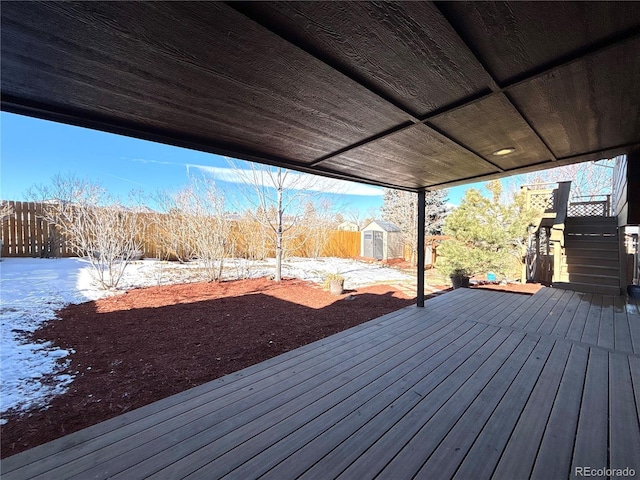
412, 95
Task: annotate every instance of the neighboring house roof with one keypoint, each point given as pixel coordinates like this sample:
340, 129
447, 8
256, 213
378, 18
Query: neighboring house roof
350, 226
384, 225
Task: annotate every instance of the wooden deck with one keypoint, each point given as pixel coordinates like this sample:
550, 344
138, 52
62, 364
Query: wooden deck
477, 385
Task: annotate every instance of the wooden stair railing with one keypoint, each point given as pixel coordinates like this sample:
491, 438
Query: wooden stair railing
595, 206
553, 205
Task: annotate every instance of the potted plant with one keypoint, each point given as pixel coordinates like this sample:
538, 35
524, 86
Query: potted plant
460, 278
335, 283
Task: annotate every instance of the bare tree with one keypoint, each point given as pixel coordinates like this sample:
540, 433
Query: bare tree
587, 178
362, 218
194, 225
276, 197
401, 208
94, 225
6, 210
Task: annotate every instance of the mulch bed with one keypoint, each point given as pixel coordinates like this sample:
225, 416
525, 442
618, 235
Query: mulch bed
136, 348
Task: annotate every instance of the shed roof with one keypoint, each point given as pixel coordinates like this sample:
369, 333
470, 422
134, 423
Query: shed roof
384, 225
413, 95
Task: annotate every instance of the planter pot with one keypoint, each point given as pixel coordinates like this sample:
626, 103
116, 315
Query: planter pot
460, 282
633, 291
336, 287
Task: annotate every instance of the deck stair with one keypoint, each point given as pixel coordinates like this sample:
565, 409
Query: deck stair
590, 260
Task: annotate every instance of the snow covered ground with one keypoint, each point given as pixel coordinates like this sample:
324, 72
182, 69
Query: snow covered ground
32, 289
355, 273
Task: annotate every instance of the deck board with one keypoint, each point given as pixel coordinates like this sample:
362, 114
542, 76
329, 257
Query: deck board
592, 322
478, 384
606, 336
321, 433
576, 328
562, 312
624, 428
622, 331
449, 452
205, 455
270, 451
411, 457
248, 469
527, 307
520, 453
481, 460
633, 316
563, 324
591, 444
634, 365
436, 389
531, 324
355, 433
417, 407
559, 436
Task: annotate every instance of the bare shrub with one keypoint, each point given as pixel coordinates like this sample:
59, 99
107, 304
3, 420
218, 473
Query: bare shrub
194, 226
94, 225
251, 239
6, 210
172, 229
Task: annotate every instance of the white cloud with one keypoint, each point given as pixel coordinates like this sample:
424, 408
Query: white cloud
125, 179
146, 160
296, 181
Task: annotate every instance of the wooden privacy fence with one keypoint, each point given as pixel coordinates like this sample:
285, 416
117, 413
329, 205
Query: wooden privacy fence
26, 234
343, 244
337, 243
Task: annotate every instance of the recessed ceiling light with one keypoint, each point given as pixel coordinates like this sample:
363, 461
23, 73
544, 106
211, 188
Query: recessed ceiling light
504, 151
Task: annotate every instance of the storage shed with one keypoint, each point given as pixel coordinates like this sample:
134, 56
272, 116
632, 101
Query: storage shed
382, 240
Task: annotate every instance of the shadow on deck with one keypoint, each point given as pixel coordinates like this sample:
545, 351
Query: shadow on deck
478, 384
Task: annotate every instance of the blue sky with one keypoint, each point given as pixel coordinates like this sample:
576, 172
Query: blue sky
33, 151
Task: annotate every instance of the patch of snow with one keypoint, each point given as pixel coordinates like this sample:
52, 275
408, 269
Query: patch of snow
355, 273
32, 289
30, 292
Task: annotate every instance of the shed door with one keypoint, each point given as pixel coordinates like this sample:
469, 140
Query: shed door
377, 245
368, 244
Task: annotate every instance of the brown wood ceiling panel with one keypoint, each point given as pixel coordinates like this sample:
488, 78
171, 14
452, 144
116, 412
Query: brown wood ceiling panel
202, 69
320, 86
515, 38
586, 106
491, 124
416, 157
405, 50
